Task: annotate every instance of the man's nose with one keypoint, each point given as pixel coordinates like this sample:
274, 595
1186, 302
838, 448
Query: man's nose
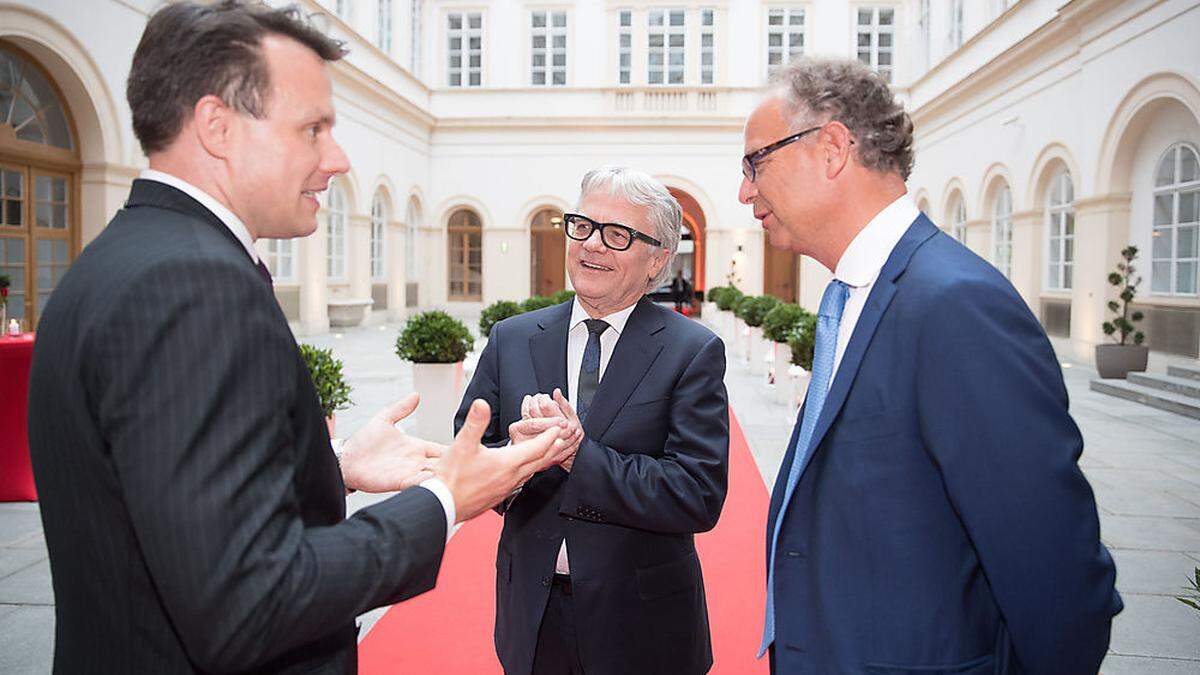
747, 191
595, 242
334, 160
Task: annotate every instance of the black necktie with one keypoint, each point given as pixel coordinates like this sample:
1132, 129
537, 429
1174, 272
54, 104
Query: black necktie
266, 273
589, 369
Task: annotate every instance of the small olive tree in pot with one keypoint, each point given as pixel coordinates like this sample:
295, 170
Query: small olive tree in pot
436, 344
1128, 354
332, 391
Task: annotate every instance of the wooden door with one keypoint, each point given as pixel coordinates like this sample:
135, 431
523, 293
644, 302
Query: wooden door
781, 273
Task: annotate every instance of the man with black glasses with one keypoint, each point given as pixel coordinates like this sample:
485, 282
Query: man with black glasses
597, 569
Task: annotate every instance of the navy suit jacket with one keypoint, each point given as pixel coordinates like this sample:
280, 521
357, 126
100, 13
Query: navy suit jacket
650, 473
941, 523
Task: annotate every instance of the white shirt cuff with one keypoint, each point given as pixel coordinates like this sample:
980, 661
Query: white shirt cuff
439, 489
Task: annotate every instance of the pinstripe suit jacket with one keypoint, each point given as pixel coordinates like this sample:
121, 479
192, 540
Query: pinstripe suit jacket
193, 510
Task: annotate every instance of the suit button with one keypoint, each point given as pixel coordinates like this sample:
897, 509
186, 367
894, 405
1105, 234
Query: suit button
795, 554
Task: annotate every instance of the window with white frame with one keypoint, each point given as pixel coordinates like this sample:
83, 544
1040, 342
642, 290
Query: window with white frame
1060, 231
876, 33
1002, 231
785, 36
414, 57
665, 41
379, 218
281, 259
624, 46
1176, 222
412, 228
384, 34
464, 34
707, 46
956, 24
958, 219
548, 48
335, 245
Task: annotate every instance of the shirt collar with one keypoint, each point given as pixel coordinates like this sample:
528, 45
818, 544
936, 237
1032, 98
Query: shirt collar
235, 224
871, 247
616, 320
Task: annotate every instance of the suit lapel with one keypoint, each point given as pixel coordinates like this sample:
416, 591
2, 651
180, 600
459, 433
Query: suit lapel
548, 347
153, 193
636, 350
881, 296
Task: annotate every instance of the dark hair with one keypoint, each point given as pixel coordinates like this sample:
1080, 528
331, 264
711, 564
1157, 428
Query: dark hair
824, 90
190, 50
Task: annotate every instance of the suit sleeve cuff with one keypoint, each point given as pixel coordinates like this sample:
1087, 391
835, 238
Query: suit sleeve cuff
439, 489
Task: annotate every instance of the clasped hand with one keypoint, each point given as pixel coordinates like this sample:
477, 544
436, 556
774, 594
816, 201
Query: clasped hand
540, 412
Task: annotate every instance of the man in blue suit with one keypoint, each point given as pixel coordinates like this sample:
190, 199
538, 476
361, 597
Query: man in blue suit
597, 569
929, 515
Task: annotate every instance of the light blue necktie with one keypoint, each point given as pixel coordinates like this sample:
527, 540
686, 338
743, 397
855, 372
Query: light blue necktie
828, 319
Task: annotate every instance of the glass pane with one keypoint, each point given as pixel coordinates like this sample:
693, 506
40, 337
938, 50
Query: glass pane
796, 40
656, 40
1068, 250
559, 19
1189, 207
1055, 250
885, 58
539, 19
12, 213
560, 60
706, 17
775, 40
1188, 169
1185, 277
474, 20
539, 41
474, 43
626, 18
676, 41
885, 17
1166, 169
45, 251
42, 218
625, 60
1069, 220
774, 58
655, 18
1162, 209
864, 39
42, 188
676, 17
455, 80
474, 62
560, 77
676, 58
560, 42
1055, 274
676, 77
455, 21
626, 40
864, 17
1067, 284
539, 77
14, 184
796, 18
1162, 243
656, 58
539, 60
706, 40
455, 61
1186, 247
775, 17
60, 216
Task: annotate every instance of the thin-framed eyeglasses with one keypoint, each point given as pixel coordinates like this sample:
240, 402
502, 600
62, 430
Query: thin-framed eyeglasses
616, 236
750, 162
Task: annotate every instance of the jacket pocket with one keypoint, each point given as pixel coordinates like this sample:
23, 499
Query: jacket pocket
978, 666
663, 580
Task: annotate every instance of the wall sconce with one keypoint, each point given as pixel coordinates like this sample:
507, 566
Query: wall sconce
504, 247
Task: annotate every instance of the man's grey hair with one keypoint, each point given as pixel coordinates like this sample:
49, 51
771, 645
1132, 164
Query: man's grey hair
641, 189
819, 91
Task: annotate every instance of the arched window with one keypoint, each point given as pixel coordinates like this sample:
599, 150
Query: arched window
466, 256
1002, 231
379, 218
39, 182
335, 252
281, 260
548, 251
958, 219
1060, 232
1176, 219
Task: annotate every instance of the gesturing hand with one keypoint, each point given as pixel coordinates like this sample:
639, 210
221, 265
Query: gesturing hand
480, 477
382, 458
538, 411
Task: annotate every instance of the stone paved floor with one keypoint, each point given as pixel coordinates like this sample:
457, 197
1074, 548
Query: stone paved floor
1143, 464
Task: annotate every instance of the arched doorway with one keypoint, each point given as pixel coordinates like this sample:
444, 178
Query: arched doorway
39, 184
781, 272
547, 253
465, 246
690, 256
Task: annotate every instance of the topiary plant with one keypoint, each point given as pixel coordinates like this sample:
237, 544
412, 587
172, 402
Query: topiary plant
565, 295
433, 337
538, 302
753, 309
729, 298
1123, 279
779, 323
496, 312
332, 391
713, 295
803, 340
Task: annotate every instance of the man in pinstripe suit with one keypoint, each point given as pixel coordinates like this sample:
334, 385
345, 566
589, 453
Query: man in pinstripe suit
193, 508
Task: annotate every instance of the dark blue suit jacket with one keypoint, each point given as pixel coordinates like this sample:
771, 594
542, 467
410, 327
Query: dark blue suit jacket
650, 473
942, 524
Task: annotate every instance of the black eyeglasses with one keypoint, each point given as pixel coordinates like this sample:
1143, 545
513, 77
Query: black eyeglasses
616, 236
750, 161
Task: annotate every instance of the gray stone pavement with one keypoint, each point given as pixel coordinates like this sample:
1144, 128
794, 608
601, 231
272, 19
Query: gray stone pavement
1143, 464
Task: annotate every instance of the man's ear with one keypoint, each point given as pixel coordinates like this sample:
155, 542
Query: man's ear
837, 143
660, 259
213, 122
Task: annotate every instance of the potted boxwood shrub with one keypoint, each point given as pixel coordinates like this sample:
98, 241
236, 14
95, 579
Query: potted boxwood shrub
753, 310
538, 302
436, 344
332, 391
565, 295
802, 342
495, 312
777, 327
1117, 360
709, 313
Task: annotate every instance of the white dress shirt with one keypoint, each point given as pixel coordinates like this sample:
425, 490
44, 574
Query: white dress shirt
862, 261
577, 336
239, 230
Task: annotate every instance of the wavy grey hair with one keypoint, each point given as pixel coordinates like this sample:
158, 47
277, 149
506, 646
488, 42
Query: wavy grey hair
823, 90
641, 189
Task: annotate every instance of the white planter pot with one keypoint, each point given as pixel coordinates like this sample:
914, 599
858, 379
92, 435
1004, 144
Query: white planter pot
800, 378
755, 348
783, 381
742, 338
728, 325
440, 387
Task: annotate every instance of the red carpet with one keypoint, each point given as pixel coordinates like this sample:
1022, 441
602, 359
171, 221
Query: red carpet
449, 629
